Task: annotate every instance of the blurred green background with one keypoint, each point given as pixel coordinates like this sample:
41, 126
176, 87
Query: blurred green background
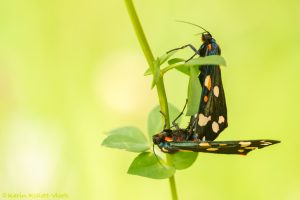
72, 70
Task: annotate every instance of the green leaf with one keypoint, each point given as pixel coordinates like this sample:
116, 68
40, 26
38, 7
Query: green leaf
207, 60
175, 60
155, 122
194, 92
166, 56
156, 72
183, 160
127, 138
184, 69
148, 72
147, 165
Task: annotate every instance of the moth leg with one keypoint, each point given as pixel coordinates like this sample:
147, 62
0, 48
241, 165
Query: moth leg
191, 57
174, 122
163, 114
188, 45
191, 133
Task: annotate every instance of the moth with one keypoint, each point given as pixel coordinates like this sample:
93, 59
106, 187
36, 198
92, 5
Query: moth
187, 140
171, 143
211, 119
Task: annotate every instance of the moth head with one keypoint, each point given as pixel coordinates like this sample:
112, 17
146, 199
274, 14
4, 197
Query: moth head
206, 37
160, 137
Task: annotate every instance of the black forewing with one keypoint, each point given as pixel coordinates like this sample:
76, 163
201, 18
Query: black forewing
211, 119
242, 147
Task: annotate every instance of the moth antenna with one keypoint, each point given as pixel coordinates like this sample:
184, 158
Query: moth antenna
185, 22
200, 33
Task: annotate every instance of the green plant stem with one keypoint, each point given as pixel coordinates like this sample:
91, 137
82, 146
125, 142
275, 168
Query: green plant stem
172, 182
150, 59
160, 83
173, 187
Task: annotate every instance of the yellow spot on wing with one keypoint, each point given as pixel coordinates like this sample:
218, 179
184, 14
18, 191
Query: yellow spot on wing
207, 82
212, 149
205, 99
250, 147
183, 150
241, 150
222, 145
204, 144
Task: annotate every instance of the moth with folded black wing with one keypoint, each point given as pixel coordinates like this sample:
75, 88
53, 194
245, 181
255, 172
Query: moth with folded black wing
211, 118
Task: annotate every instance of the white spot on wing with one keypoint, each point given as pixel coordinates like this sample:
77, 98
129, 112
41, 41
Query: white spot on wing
221, 119
215, 127
244, 144
216, 91
203, 120
266, 143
